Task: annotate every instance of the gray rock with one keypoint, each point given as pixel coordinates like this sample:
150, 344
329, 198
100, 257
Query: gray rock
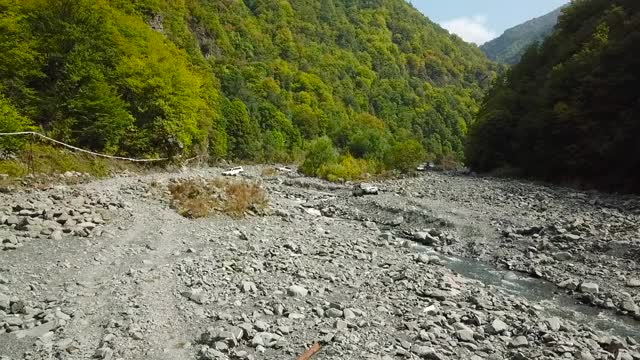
297, 291
425, 238
87, 225
624, 355
497, 326
248, 286
628, 304
56, 235
265, 339
584, 355
570, 284
554, 323
465, 335
38, 331
195, 295
572, 237
349, 314
220, 338
341, 325
5, 302
633, 283
563, 256
207, 353
518, 342
13, 321
261, 326
104, 353
589, 288
333, 313
426, 352
18, 307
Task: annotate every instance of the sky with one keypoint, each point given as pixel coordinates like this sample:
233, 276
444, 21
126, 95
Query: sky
479, 21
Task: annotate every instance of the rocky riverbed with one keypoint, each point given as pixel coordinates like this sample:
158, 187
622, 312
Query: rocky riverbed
437, 266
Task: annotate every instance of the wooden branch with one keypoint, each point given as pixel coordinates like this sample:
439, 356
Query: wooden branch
310, 352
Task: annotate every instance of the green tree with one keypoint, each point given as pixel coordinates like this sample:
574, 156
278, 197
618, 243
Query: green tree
319, 152
405, 156
11, 122
243, 134
567, 111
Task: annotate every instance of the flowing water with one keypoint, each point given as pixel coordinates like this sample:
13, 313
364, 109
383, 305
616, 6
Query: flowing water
545, 294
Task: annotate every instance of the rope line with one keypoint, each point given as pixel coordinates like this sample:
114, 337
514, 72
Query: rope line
82, 150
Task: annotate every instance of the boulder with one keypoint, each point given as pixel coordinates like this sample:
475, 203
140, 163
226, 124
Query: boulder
589, 288
497, 326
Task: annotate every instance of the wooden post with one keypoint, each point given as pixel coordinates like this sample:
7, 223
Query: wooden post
31, 164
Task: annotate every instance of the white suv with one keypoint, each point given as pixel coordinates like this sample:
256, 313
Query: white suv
234, 171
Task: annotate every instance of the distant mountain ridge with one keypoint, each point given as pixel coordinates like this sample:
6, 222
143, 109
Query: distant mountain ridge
511, 45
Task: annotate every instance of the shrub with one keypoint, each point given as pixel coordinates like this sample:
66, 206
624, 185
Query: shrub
11, 121
198, 198
405, 156
269, 172
244, 196
449, 162
348, 168
320, 152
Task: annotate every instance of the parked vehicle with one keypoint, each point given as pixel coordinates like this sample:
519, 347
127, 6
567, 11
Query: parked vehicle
285, 169
235, 171
365, 189
426, 166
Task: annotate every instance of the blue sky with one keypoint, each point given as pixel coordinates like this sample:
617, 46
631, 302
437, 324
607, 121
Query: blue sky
479, 21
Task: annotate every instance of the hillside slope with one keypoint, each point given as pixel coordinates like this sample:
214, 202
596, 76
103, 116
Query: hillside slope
249, 79
569, 110
511, 45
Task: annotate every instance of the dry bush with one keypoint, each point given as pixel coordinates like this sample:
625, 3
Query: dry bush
269, 172
244, 196
449, 162
197, 198
192, 198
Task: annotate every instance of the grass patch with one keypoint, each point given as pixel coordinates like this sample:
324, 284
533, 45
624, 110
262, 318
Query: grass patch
198, 198
45, 161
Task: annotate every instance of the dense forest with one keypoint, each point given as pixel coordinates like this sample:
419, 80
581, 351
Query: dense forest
257, 80
509, 47
569, 110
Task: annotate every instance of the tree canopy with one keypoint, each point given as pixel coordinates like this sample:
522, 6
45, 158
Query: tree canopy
250, 79
569, 110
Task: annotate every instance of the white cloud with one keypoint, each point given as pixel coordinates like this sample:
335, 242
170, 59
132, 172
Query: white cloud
471, 28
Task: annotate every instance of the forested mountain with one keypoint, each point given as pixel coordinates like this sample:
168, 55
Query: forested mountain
250, 79
509, 47
570, 110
